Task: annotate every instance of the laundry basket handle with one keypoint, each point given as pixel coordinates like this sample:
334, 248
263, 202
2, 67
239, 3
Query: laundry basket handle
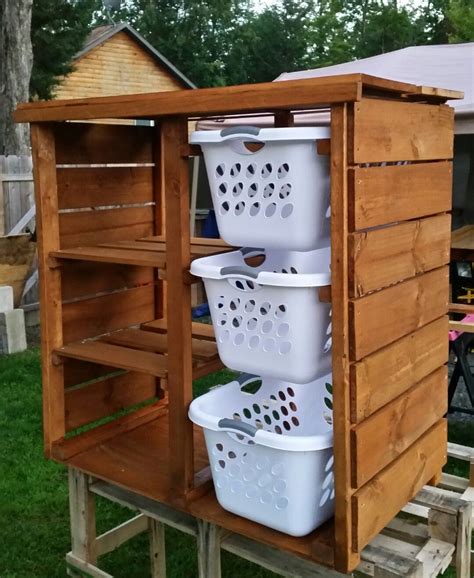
238, 270
238, 132
240, 426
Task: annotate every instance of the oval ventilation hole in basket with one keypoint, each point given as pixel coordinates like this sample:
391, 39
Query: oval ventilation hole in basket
224, 208
270, 210
237, 189
251, 170
235, 170
252, 190
285, 191
283, 170
220, 170
222, 189
266, 170
287, 211
254, 209
268, 190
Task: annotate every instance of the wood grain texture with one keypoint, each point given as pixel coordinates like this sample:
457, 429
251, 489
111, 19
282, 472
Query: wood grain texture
77, 372
381, 257
383, 317
104, 313
86, 228
175, 185
384, 375
99, 187
382, 437
387, 131
112, 254
44, 170
382, 195
344, 557
86, 279
375, 504
103, 398
86, 143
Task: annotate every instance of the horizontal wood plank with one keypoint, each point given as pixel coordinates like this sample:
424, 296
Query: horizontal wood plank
88, 143
376, 503
383, 317
381, 438
88, 228
78, 372
383, 195
200, 330
384, 375
99, 187
299, 94
112, 254
388, 131
103, 398
381, 257
157, 342
85, 278
105, 313
116, 356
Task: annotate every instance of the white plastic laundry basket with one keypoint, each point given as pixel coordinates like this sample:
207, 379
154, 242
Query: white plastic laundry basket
275, 197
271, 452
268, 319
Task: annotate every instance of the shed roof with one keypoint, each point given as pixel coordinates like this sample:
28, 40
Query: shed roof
101, 34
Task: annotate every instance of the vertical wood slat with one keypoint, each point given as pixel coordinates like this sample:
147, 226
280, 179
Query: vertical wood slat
44, 163
344, 556
178, 257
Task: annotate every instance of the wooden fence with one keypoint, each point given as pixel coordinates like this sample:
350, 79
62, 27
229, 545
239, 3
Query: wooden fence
17, 207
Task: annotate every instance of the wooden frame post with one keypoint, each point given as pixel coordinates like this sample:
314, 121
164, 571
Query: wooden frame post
209, 550
175, 184
47, 223
82, 515
157, 548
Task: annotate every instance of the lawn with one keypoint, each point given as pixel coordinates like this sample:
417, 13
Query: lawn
34, 523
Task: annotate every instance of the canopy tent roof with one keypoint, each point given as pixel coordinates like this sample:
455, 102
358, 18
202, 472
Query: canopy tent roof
445, 65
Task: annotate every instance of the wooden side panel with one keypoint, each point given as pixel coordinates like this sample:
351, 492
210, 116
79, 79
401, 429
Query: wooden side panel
380, 439
381, 377
86, 279
99, 399
382, 257
383, 317
382, 195
375, 504
388, 131
96, 227
99, 186
86, 143
98, 315
77, 372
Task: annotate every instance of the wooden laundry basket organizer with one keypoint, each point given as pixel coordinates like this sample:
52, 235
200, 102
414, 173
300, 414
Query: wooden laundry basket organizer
115, 250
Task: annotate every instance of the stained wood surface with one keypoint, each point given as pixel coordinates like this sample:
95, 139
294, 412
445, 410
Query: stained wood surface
123, 255
382, 376
200, 330
382, 195
382, 257
377, 502
386, 131
94, 227
86, 279
105, 313
44, 170
97, 144
99, 187
77, 372
384, 316
178, 295
99, 399
381, 438
303, 93
116, 356
344, 556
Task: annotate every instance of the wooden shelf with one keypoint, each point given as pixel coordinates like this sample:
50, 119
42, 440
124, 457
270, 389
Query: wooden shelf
144, 350
146, 251
137, 460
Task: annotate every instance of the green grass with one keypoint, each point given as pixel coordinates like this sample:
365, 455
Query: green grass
34, 521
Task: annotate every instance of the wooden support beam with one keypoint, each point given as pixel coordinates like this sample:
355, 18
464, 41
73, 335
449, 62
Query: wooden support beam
47, 224
82, 517
209, 550
114, 538
175, 183
157, 548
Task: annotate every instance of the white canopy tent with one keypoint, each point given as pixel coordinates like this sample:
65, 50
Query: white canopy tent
442, 66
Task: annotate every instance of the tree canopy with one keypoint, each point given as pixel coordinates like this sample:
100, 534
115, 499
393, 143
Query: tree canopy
219, 42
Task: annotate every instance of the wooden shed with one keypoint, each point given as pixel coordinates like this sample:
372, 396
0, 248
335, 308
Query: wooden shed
116, 59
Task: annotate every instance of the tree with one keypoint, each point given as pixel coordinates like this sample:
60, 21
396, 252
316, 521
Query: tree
15, 70
58, 31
